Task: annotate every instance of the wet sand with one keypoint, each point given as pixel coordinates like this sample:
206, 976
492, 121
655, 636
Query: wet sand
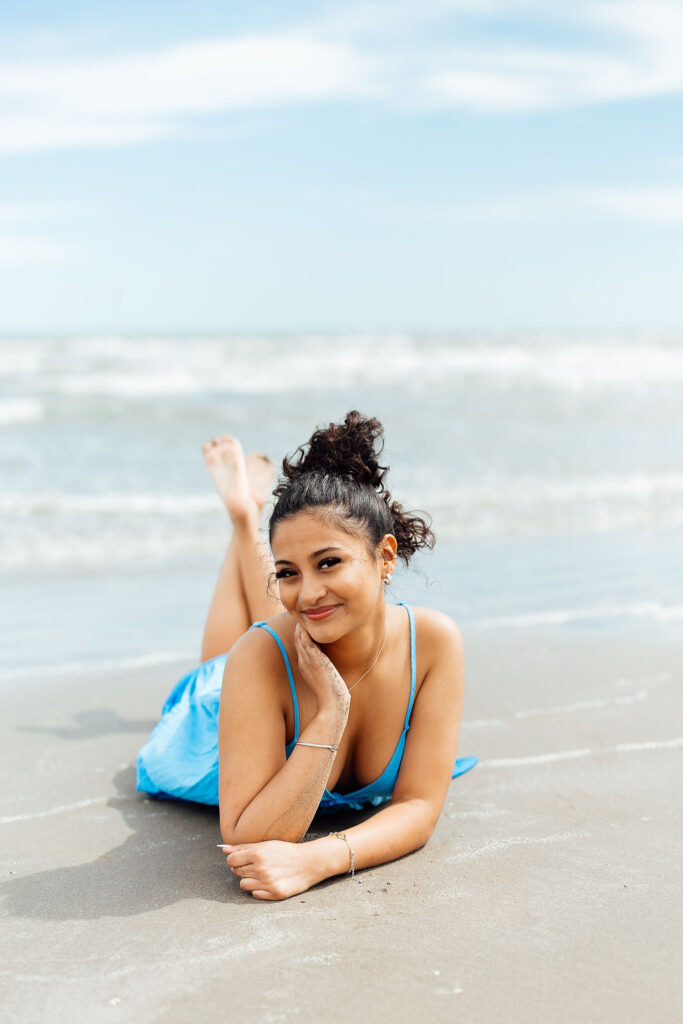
550, 890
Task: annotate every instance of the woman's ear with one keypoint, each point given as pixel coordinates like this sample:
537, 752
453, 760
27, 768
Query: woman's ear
387, 552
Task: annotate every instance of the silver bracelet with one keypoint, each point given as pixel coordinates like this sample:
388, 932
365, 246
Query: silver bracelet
342, 835
323, 746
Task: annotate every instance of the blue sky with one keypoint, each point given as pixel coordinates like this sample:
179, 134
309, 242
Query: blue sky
445, 165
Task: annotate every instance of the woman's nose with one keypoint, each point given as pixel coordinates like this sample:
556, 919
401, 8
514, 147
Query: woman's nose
311, 591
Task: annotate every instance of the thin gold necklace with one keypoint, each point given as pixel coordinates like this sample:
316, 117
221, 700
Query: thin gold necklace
368, 670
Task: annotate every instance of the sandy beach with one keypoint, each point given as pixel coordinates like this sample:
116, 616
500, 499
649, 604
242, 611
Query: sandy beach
243, 222
549, 890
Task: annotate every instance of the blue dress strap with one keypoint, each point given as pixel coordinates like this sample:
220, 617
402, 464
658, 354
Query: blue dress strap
278, 641
413, 663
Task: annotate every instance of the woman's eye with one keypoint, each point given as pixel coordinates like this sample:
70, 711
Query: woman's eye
327, 562
283, 574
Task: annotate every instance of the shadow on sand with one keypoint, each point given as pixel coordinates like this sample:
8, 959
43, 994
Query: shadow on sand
170, 856
92, 724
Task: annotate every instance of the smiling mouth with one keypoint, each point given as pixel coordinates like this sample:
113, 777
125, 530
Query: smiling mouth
321, 613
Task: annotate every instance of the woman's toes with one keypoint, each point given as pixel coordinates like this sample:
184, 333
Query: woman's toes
225, 462
261, 473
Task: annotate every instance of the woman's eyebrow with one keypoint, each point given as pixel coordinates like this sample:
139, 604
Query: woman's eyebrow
317, 554
314, 554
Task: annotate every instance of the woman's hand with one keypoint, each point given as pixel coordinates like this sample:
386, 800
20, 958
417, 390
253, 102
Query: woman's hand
273, 870
321, 676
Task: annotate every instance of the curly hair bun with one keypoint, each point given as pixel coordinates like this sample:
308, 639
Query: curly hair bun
349, 449
338, 469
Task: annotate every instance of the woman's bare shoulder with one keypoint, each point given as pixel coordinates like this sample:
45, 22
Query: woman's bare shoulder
255, 673
282, 624
257, 646
437, 636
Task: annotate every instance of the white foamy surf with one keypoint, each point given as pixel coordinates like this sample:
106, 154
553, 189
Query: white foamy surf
552, 466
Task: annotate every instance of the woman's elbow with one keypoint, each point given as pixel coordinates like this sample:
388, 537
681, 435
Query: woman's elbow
235, 832
424, 834
230, 831
424, 821
228, 834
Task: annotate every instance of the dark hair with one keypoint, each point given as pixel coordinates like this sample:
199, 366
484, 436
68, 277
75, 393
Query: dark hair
338, 470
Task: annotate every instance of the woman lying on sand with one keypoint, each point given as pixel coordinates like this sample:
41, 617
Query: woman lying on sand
340, 699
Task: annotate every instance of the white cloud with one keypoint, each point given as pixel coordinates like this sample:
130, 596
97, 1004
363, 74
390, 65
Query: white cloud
655, 23
636, 53
132, 97
533, 80
359, 53
648, 204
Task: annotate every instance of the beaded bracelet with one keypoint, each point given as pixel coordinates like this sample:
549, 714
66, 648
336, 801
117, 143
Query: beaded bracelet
342, 835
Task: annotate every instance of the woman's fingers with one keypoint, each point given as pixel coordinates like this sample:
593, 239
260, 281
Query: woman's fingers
302, 651
301, 634
309, 647
233, 850
305, 645
305, 639
255, 887
248, 871
238, 858
249, 883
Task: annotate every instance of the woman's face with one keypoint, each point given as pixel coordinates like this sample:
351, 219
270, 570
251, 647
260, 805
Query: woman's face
328, 579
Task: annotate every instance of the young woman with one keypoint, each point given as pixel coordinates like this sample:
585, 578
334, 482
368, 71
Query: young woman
341, 699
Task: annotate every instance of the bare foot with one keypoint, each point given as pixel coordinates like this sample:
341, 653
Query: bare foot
261, 473
228, 468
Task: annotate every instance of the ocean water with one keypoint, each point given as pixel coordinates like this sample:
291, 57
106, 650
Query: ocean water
551, 464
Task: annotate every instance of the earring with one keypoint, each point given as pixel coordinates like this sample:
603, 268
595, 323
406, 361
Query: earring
386, 578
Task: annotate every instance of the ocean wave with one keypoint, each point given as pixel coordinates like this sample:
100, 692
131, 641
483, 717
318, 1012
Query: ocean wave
534, 505
104, 547
144, 368
646, 611
18, 358
531, 489
651, 610
62, 529
21, 410
115, 504
69, 668
500, 493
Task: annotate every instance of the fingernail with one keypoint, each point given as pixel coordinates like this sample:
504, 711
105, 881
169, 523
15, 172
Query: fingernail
224, 846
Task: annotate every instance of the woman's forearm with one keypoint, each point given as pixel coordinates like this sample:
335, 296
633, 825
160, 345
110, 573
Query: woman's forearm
286, 805
391, 833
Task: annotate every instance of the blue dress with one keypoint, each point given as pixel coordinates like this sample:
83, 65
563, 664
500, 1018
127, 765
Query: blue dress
180, 759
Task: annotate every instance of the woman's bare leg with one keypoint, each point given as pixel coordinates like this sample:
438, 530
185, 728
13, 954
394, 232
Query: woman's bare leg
241, 595
228, 616
255, 561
